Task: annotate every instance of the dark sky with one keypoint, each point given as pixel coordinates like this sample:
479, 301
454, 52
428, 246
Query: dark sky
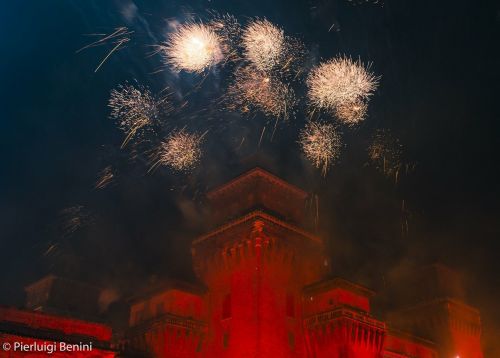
438, 94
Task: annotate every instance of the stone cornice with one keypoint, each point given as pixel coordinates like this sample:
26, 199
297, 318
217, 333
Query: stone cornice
255, 215
322, 318
256, 172
337, 282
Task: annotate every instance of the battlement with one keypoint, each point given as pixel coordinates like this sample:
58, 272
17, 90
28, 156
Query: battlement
344, 332
23, 320
53, 294
254, 234
399, 344
336, 292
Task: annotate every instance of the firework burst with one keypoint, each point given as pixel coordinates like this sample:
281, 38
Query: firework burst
351, 113
181, 151
193, 48
321, 144
134, 108
263, 44
385, 153
256, 90
339, 83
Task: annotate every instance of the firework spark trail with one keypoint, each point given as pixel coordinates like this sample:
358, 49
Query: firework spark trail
72, 219
181, 150
50, 248
241, 143
321, 144
362, 2
134, 108
261, 136
119, 37
336, 84
294, 56
255, 90
106, 177
120, 42
193, 48
263, 44
229, 31
385, 152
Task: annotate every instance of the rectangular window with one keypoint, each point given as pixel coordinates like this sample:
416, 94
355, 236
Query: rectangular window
226, 306
225, 339
291, 340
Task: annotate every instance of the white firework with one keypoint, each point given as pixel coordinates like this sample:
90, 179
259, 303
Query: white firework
134, 108
181, 151
193, 48
386, 152
263, 44
351, 113
321, 144
340, 82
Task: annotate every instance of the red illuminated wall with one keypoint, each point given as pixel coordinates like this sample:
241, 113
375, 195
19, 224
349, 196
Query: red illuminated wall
175, 301
170, 323
255, 269
338, 321
29, 327
399, 345
453, 326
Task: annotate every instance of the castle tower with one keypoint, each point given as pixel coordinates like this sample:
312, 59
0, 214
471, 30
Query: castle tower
168, 322
255, 264
435, 310
338, 321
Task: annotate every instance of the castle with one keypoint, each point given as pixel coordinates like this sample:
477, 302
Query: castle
266, 292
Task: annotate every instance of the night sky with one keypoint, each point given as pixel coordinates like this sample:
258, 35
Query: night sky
438, 94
